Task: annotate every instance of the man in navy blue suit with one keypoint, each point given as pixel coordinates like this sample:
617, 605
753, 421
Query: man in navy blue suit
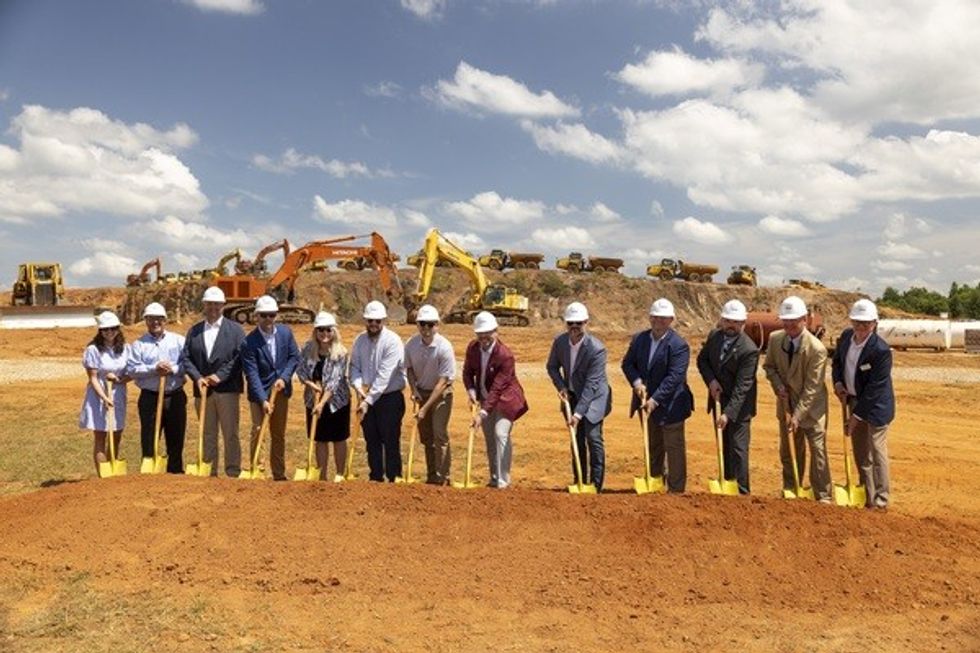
862, 374
656, 367
269, 357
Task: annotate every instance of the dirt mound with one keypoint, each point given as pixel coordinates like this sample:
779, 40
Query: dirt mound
362, 566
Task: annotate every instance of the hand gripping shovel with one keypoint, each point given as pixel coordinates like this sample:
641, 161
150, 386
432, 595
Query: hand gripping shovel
200, 468
851, 495
311, 472
255, 473
579, 487
798, 491
467, 479
410, 478
720, 485
348, 474
113, 466
157, 464
648, 483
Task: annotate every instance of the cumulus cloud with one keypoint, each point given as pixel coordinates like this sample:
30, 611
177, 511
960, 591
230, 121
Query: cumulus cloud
104, 245
417, 218
242, 7
563, 238
489, 208
470, 241
181, 234
678, 73
81, 160
777, 226
475, 89
104, 264
891, 266
574, 141
900, 225
602, 213
353, 212
291, 160
895, 250
425, 9
706, 233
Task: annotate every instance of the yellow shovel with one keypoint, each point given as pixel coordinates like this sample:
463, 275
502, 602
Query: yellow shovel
157, 464
798, 491
579, 487
851, 495
410, 478
467, 479
647, 484
200, 468
255, 473
312, 472
113, 466
720, 485
348, 474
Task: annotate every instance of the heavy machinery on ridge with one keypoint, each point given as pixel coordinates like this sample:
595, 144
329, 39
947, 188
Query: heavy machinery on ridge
669, 268
742, 275
506, 304
576, 262
37, 300
257, 266
498, 259
143, 278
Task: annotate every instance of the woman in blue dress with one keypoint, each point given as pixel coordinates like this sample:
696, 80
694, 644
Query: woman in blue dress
105, 360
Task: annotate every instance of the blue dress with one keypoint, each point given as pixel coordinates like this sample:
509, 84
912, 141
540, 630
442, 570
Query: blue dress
93, 413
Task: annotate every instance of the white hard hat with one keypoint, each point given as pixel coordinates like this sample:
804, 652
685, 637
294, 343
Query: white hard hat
266, 304
107, 320
375, 310
427, 313
864, 310
484, 322
662, 308
734, 310
214, 294
576, 312
154, 309
792, 308
324, 319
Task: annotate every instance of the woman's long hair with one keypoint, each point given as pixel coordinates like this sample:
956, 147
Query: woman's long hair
337, 349
116, 344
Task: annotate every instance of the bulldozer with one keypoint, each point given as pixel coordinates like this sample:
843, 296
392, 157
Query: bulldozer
143, 278
577, 262
38, 284
669, 268
37, 301
506, 304
498, 259
742, 275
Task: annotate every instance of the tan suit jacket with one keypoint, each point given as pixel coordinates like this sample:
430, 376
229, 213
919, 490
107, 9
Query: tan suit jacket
804, 377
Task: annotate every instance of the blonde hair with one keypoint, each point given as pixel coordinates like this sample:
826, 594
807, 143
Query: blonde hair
337, 349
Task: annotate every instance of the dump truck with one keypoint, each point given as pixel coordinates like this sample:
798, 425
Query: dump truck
577, 262
669, 268
498, 259
805, 283
356, 263
37, 301
742, 275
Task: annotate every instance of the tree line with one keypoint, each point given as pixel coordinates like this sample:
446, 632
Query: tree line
962, 302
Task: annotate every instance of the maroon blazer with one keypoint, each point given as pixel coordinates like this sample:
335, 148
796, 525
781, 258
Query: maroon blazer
504, 391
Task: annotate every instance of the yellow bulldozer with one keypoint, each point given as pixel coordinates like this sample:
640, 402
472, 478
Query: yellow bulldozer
37, 301
38, 284
742, 275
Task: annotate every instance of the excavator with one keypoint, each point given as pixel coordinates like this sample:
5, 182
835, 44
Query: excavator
221, 269
258, 265
506, 304
143, 278
241, 291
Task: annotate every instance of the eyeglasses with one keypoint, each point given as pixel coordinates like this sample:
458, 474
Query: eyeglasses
574, 324
104, 329
267, 316
323, 329
426, 325
371, 321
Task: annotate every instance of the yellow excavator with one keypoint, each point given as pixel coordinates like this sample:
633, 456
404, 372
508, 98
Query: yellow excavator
509, 306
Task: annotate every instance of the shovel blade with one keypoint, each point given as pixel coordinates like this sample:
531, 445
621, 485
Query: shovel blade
198, 469
649, 484
153, 465
465, 485
799, 493
726, 487
307, 474
105, 470
851, 496
407, 479
252, 474
583, 488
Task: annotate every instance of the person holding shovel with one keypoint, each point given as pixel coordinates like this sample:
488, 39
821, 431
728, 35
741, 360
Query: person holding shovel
269, 358
795, 366
104, 360
655, 365
154, 356
212, 360
577, 367
862, 375
430, 364
728, 362
323, 372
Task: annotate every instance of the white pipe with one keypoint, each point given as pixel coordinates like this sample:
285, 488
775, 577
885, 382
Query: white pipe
905, 334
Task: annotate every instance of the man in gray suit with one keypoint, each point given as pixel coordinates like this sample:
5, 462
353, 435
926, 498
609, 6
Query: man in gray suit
728, 363
577, 367
212, 361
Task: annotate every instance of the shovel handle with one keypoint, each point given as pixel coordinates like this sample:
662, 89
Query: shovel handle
567, 412
263, 427
110, 422
469, 446
161, 386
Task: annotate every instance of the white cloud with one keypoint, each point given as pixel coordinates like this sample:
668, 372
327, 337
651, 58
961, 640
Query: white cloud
575, 141
900, 225
291, 160
706, 233
104, 245
602, 213
417, 218
656, 209
777, 226
243, 7
383, 89
426, 9
104, 264
472, 88
184, 235
353, 212
468, 241
563, 238
678, 73
895, 250
891, 266
488, 209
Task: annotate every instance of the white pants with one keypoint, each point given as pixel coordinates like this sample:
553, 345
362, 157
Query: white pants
496, 433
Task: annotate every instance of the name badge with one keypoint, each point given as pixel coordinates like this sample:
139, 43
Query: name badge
865, 367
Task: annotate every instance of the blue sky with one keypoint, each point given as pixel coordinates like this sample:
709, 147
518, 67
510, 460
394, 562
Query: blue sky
836, 141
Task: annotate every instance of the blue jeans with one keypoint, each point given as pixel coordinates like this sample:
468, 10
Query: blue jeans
591, 451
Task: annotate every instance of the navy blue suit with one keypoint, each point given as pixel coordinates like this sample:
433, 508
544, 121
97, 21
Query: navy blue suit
260, 371
872, 378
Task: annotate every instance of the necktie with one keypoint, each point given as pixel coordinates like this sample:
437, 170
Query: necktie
792, 350
726, 344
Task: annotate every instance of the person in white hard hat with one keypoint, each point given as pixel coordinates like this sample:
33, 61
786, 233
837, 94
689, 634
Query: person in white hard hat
655, 365
490, 379
270, 356
157, 354
862, 375
795, 365
323, 371
728, 362
104, 360
377, 373
430, 364
577, 367
213, 361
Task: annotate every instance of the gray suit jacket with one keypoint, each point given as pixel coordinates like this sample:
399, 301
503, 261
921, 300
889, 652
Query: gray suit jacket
593, 396
735, 373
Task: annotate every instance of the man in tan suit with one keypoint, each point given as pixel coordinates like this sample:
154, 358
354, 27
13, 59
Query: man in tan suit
795, 365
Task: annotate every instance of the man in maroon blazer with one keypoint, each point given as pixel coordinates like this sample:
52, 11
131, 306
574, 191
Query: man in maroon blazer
490, 380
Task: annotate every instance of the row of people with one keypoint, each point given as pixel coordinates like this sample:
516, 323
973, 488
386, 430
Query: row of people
217, 355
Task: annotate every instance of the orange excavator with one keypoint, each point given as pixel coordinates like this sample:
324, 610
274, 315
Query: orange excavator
143, 277
241, 291
258, 265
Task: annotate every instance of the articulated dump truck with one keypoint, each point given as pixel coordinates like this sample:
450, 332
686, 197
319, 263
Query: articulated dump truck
498, 259
37, 301
669, 269
576, 262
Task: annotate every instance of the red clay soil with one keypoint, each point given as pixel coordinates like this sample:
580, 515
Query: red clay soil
370, 567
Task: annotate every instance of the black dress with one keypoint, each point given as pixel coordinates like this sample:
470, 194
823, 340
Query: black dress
330, 427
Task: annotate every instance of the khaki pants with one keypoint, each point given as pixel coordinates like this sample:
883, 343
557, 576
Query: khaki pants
434, 435
500, 448
870, 444
277, 435
221, 411
816, 436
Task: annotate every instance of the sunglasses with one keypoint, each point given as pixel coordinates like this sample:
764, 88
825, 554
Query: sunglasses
267, 316
104, 329
427, 325
323, 329
574, 324
373, 321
